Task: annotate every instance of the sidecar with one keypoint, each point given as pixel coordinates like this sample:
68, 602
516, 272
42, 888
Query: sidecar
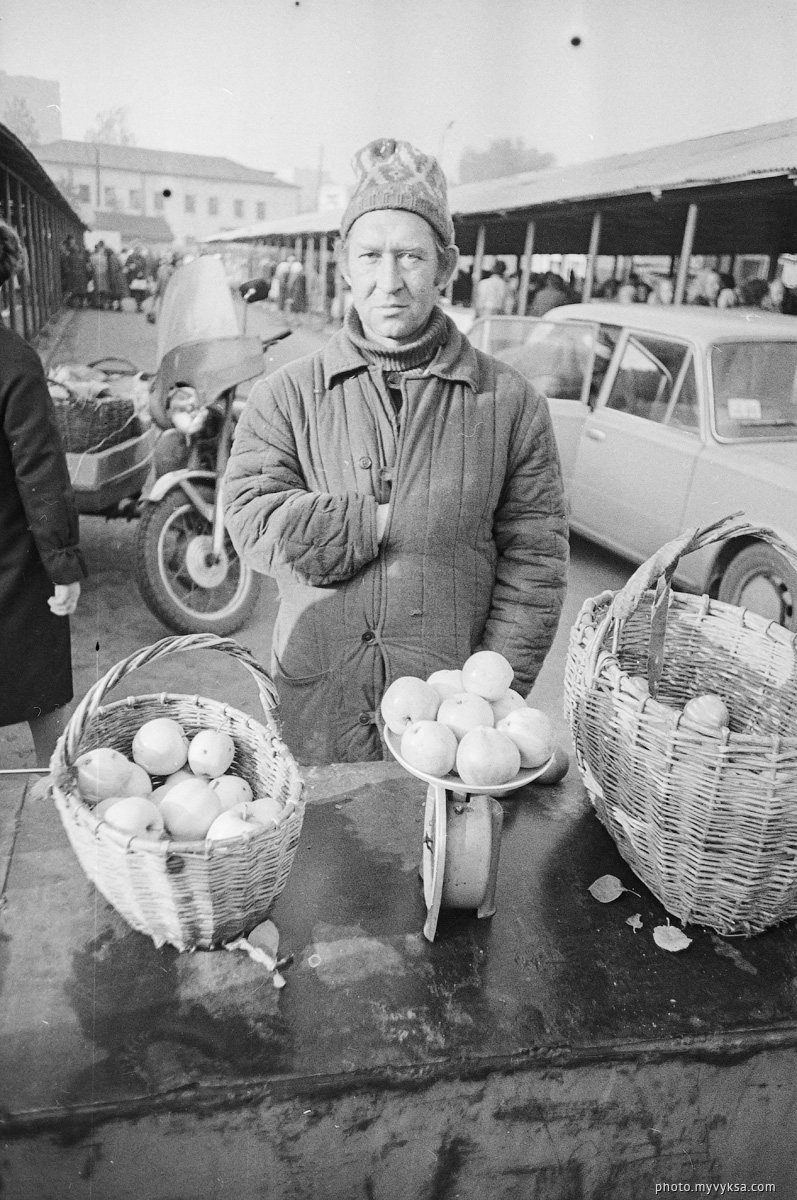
103, 417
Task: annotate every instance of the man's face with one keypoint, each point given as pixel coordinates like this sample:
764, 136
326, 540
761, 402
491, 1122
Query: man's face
393, 270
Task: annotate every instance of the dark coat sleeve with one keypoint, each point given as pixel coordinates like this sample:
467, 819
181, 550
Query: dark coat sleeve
39, 464
531, 536
273, 518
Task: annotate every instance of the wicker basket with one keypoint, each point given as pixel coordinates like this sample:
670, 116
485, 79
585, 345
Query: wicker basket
707, 818
190, 894
88, 423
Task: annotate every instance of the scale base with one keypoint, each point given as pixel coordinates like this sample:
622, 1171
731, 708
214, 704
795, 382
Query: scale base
461, 849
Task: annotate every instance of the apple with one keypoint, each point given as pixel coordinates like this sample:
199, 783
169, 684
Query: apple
558, 768
134, 815
210, 752
465, 711
488, 674
509, 701
138, 782
446, 683
430, 747
487, 757
231, 823
231, 790
160, 746
709, 710
171, 781
408, 699
102, 773
190, 809
532, 733
267, 810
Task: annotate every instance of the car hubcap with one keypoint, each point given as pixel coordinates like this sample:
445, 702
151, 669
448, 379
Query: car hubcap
769, 597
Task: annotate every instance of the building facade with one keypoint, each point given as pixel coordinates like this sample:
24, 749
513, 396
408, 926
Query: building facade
197, 195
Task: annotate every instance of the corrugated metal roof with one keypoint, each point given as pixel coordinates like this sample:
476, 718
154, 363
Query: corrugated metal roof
741, 154
720, 158
15, 155
155, 162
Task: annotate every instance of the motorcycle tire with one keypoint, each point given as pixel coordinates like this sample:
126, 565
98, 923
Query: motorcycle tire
174, 578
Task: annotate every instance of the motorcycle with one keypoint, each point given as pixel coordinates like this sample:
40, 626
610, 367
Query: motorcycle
188, 570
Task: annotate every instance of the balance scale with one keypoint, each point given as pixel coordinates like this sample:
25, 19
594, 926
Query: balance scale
461, 838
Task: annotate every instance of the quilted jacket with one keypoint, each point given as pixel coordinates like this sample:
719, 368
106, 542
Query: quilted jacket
475, 550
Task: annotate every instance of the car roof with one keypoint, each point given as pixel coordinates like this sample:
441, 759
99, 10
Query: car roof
695, 321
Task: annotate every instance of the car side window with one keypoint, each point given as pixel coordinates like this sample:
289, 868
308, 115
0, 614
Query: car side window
654, 382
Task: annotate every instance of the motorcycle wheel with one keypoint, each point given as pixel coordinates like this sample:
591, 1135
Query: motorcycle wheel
179, 584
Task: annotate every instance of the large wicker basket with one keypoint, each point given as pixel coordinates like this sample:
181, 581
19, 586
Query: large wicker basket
707, 818
189, 894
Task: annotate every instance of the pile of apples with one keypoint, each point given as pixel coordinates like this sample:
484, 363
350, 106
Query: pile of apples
174, 787
471, 721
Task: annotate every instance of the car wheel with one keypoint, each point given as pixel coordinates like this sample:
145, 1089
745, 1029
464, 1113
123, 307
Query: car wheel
759, 578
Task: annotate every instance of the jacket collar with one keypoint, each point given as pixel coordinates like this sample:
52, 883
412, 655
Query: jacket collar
455, 361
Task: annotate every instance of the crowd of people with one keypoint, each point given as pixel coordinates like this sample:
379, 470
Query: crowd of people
496, 293
102, 278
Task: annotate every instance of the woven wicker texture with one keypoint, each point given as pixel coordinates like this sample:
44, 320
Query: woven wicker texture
189, 894
706, 818
95, 423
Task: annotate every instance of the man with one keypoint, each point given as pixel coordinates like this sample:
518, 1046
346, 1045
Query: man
552, 294
403, 489
492, 293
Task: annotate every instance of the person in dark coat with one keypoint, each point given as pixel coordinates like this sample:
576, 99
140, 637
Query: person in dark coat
40, 563
75, 273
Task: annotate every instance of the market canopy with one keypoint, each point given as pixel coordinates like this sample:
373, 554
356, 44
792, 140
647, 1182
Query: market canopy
743, 182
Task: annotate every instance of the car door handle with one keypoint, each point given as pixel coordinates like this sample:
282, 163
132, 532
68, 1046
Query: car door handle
597, 435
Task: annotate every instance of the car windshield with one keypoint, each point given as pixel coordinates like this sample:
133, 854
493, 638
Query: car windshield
556, 358
755, 390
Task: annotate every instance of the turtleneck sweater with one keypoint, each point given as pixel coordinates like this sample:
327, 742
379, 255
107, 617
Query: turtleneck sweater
394, 361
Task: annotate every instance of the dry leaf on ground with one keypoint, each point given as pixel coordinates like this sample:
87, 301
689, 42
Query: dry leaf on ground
670, 938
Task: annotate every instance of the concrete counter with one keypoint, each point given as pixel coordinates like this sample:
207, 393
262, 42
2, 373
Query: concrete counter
550, 1051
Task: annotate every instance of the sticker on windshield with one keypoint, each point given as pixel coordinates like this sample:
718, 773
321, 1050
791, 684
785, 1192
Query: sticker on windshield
741, 409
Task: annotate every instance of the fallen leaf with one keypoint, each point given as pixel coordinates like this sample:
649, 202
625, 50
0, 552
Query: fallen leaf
266, 937
635, 922
670, 938
607, 888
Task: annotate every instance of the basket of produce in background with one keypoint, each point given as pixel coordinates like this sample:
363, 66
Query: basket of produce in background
683, 711
184, 812
96, 407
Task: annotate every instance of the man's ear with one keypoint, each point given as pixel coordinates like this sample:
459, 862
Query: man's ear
447, 266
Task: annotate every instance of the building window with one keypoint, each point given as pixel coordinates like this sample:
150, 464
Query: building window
260, 211
190, 203
83, 193
238, 208
157, 201
213, 206
110, 197
135, 198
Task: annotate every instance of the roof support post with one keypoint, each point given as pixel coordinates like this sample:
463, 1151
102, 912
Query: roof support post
478, 259
323, 270
686, 254
525, 275
592, 254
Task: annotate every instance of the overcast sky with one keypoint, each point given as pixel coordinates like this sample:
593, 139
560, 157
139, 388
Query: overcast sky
272, 82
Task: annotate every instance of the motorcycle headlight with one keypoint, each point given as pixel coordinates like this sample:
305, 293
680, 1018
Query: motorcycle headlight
186, 412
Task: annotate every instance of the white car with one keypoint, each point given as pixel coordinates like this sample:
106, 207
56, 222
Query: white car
668, 417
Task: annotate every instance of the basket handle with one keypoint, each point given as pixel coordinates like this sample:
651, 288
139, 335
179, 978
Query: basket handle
94, 697
658, 570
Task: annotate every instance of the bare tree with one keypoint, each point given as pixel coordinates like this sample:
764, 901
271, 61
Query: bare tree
504, 156
111, 128
21, 121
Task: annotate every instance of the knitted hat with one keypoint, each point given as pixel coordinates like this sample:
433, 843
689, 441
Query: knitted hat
393, 174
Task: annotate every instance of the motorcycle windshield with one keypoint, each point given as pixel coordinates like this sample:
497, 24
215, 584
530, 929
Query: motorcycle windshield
197, 306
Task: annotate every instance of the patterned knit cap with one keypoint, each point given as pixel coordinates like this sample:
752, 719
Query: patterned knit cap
393, 174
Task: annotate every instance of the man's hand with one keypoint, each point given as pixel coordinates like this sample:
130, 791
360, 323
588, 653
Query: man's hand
382, 512
64, 602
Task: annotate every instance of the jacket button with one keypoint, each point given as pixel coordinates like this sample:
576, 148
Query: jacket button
369, 636
365, 718
364, 462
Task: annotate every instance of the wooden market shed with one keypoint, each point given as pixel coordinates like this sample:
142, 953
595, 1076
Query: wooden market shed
724, 195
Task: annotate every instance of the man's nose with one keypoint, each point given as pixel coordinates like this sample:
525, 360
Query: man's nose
389, 277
